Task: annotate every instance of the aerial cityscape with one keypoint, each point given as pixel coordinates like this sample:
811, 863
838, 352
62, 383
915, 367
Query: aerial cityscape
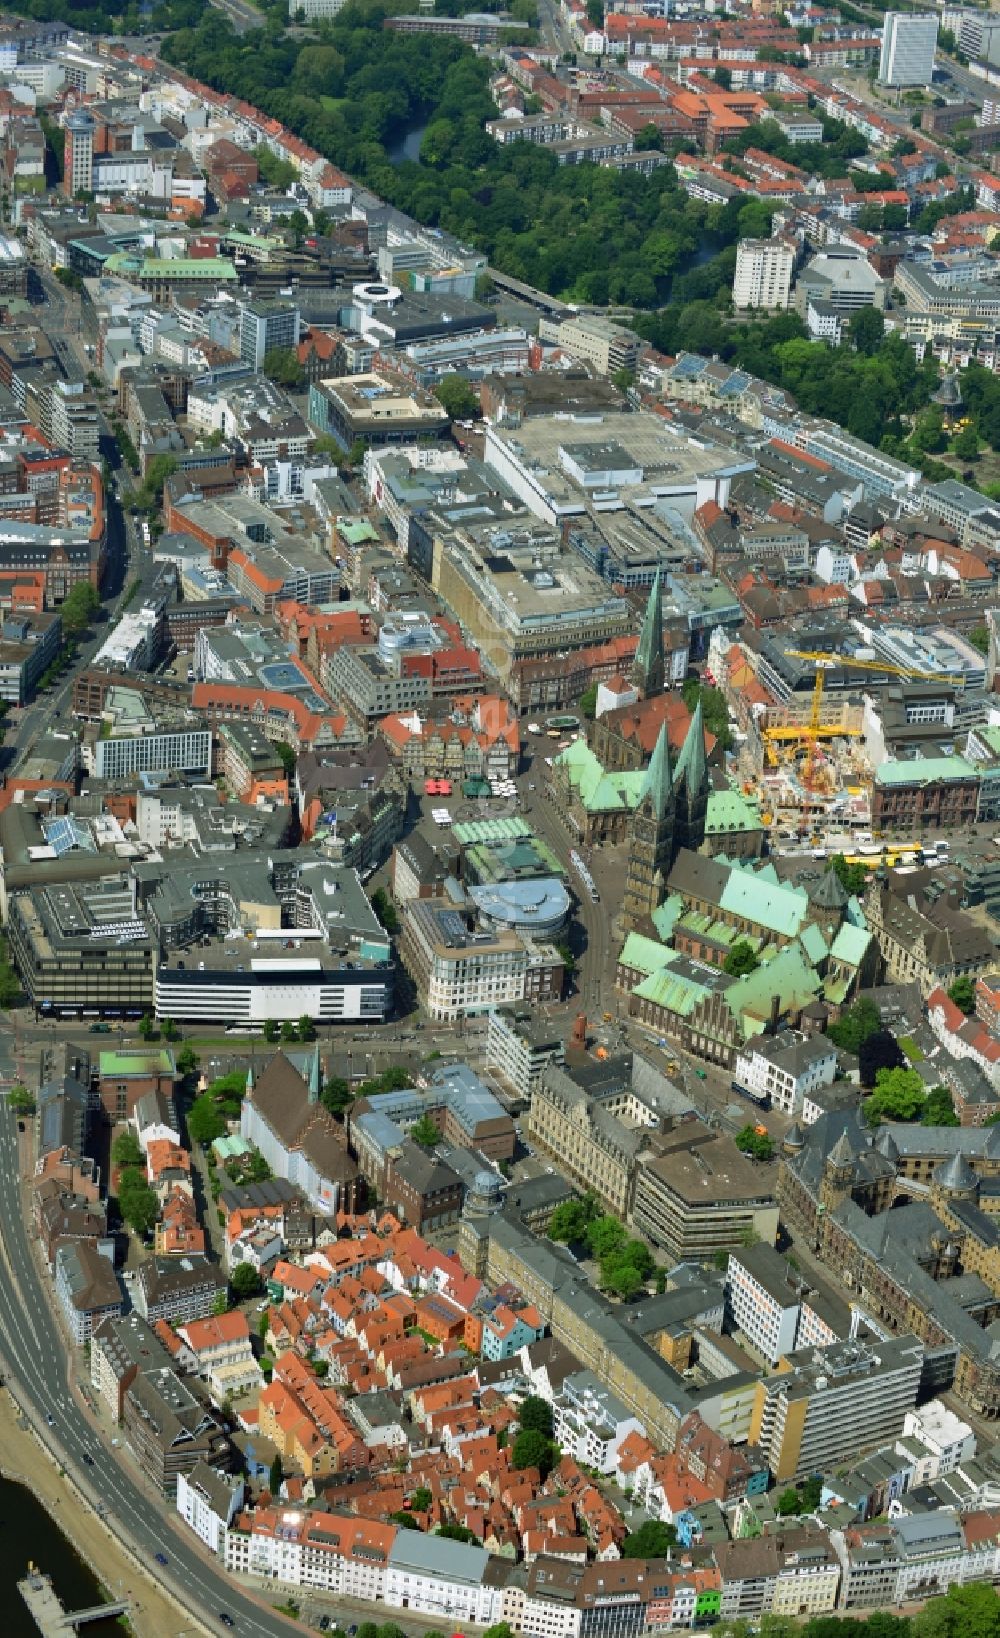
500, 819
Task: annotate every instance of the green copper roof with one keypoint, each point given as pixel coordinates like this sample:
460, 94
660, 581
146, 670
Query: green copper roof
730, 811
677, 992
788, 976
850, 944
599, 791
643, 954
924, 770
755, 897
665, 915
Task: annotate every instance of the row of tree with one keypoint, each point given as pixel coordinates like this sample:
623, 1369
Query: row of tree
626, 1264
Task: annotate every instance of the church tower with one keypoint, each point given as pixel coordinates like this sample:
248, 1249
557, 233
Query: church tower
651, 844
648, 668
691, 788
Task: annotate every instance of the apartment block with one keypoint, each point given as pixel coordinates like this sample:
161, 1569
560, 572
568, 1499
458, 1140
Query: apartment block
783, 1069
763, 274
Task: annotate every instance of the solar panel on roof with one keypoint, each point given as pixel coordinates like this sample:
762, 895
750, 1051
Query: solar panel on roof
690, 365
63, 834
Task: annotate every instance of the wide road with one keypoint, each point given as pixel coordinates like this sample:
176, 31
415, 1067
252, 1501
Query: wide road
35, 1356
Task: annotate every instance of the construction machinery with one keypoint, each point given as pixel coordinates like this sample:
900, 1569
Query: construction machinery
812, 732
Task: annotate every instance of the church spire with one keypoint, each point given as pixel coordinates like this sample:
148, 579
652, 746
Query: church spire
657, 783
691, 787
648, 669
692, 767
651, 839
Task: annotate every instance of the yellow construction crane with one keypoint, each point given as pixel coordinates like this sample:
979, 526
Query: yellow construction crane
815, 731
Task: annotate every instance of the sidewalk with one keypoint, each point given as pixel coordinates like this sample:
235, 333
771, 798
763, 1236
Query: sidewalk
23, 1457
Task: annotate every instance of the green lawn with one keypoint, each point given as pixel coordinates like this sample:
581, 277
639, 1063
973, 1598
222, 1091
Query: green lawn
910, 1050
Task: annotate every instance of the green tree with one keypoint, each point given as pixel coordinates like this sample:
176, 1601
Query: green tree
971, 1611
653, 1539
742, 959
571, 1219
244, 1282
286, 756
169, 1030
715, 711
306, 1028
965, 443
337, 1096
963, 993
288, 1030
275, 1477
588, 703
126, 1149
147, 1029
811, 1491
421, 1499
281, 364
385, 910
137, 1202
605, 1236
979, 637
853, 877
536, 1412
533, 1449
939, 1110
788, 1503
425, 1132
204, 1122
899, 1095
856, 1025
21, 1100
754, 1143
455, 394
867, 330
271, 1030
80, 606
879, 1051
187, 1062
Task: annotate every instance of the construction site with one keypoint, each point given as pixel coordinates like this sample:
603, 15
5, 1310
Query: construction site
807, 758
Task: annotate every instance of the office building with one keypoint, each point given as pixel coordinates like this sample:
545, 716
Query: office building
87, 1288
188, 750
169, 1431
518, 1047
379, 408
121, 1347
78, 153
829, 1403
763, 274
765, 1302
81, 947
697, 1195
460, 973
908, 46
266, 327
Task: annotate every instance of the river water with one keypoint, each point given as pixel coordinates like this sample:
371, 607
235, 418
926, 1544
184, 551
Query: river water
408, 147
27, 1533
